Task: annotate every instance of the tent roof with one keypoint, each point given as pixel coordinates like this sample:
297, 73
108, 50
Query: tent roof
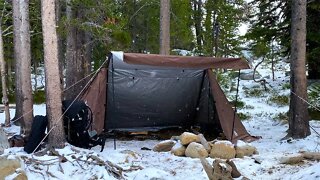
181, 61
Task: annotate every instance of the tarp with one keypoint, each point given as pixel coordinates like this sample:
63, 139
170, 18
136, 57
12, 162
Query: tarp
143, 91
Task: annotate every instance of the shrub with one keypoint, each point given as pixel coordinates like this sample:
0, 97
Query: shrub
281, 117
253, 92
314, 96
286, 86
244, 116
281, 100
39, 97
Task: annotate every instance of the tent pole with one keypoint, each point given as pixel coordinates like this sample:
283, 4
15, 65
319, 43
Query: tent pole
235, 106
113, 102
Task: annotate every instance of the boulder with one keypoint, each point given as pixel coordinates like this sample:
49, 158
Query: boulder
245, 150
248, 75
187, 138
8, 166
4, 143
196, 150
164, 146
222, 150
178, 150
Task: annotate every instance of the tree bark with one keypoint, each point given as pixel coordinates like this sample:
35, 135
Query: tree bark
78, 53
298, 111
5, 100
53, 90
60, 43
165, 27
22, 56
197, 5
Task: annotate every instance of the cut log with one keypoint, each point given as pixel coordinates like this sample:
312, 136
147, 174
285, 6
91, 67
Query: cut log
207, 168
235, 172
294, 159
4, 143
219, 171
204, 142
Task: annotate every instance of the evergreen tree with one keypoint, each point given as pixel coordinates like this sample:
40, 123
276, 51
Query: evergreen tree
222, 20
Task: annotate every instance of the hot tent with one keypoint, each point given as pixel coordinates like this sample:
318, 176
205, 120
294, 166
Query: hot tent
147, 91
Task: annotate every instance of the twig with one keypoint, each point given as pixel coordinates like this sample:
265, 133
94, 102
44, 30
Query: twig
261, 81
39, 172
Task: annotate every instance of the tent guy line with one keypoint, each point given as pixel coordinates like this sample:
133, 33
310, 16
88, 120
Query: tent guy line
55, 124
66, 89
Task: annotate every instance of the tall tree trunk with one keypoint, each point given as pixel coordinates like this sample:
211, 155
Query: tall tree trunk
165, 27
5, 100
197, 8
22, 56
60, 43
78, 60
298, 112
53, 90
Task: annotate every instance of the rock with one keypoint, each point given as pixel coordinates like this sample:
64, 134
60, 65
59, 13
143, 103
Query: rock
267, 77
8, 166
223, 150
178, 149
186, 138
4, 144
164, 146
245, 150
196, 150
249, 75
204, 142
21, 176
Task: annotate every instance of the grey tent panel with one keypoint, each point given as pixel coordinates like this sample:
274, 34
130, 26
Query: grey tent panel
140, 98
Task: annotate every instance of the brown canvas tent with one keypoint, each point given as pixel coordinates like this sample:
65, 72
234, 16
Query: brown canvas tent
147, 91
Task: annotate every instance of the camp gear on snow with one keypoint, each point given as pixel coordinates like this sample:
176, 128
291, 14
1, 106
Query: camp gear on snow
38, 128
16, 141
77, 121
139, 92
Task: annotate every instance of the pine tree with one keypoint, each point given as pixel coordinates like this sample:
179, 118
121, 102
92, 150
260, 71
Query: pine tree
298, 111
53, 90
22, 56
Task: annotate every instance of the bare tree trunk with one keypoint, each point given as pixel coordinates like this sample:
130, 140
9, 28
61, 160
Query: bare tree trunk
22, 56
53, 90
78, 60
298, 112
197, 5
165, 27
60, 44
5, 100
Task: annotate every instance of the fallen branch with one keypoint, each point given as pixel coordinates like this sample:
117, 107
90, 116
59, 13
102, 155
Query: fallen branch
311, 155
207, 167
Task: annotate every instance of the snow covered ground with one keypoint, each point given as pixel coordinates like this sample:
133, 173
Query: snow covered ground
140, 164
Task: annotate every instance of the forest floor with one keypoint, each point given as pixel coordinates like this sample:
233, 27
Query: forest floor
263, 119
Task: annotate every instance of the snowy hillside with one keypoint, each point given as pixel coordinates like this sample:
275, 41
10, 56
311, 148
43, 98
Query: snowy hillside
263, 120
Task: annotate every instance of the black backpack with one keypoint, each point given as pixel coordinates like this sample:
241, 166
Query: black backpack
38, 128
77, 121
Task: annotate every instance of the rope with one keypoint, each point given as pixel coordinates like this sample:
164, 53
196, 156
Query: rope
16, 119
305, 101
309, 105
235, 106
